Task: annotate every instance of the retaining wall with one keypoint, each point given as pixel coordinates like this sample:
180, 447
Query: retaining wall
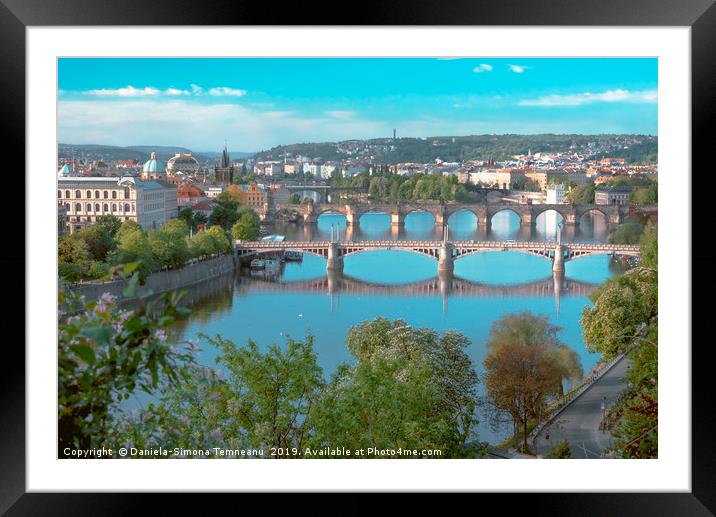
162, 281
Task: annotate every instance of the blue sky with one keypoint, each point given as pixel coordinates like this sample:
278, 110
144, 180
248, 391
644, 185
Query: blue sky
255, 104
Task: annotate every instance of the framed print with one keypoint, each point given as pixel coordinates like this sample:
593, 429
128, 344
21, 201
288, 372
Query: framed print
432, 236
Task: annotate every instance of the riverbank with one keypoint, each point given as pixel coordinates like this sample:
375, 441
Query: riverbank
161, 281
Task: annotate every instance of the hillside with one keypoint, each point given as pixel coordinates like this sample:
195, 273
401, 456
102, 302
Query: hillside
636, 148
137, 152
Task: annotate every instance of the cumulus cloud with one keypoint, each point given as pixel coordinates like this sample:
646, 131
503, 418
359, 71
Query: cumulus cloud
518, 69
129, 91
484, 67
151, 91
579, 99
224, 91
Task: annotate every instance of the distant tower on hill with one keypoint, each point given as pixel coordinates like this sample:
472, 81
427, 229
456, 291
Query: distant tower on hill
394, 133
225, 171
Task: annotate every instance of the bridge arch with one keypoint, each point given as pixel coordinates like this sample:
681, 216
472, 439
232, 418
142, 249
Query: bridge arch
491, 214
538, 210
330, 210
449, 212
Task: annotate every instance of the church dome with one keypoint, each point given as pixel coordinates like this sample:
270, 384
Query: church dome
153, 165
66, 170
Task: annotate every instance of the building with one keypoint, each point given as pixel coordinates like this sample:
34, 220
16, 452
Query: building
215, 191
252, 194
149, 203
181, 162
61, 219
153, 169
612, 195
555, 194
224, 173
65, 172
501, 179
189, 194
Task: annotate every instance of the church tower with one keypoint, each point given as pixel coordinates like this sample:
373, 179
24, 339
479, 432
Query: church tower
225, 171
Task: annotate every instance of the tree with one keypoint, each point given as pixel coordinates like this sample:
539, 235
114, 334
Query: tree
650, 246
105, 355
202, 244
177, 228
227, 201
224, 217
110, 223
629, 232
531, 330
526, 364
519, 380
168, 249
246, 228
622, 306
221, 241
71, 249
645, 196
581, 194
409, 388
98, 240
186, 215
133, 246
294, 199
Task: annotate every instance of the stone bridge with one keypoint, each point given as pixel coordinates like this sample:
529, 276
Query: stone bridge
445, 252
528, 213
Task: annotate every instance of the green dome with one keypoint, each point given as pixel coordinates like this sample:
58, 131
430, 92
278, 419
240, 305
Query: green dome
66, 170
154, 165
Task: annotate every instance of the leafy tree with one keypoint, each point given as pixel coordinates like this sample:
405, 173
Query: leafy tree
109, 223
559, 451
645, 196
525, 366
200, 219
186, 215
133, 246
177, 228
105, 355
202, 244
168, 249
98, 240
622, 306
650, 246
227, 201
224, 217
294, 199
246, 228
221, 241
629, 232
581, 194
71, 249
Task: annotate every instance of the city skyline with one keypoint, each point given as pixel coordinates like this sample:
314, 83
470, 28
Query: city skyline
258, 103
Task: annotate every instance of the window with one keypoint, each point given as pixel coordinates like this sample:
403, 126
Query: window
126, 192
126, 207
89, 207
67, 193
96, 194
89, 194
59, 194
78, 207
96, 207
114, 194
114, 207
105, 207
78, 194
106, 194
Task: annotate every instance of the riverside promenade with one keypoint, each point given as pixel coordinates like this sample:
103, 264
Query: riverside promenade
578, 422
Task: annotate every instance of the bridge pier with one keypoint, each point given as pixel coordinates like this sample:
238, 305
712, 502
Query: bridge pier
445, 260
335, 260
558, 260
397, 219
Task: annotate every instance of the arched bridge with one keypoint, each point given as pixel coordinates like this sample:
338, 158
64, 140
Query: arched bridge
445, 252
484, 211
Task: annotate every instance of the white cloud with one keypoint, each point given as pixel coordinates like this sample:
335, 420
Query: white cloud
225, 91
129, 91
579, 99
175, 92
341, 115
196, 90
518, 69
484, 67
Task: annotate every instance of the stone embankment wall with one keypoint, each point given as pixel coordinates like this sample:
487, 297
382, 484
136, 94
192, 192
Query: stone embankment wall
162, 281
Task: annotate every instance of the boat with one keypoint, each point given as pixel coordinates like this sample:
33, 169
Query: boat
292, 256
258, 264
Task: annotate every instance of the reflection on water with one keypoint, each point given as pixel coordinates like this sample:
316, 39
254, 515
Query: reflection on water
299, 298
463, 225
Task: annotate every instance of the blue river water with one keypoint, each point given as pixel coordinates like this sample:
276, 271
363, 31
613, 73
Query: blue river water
299, 299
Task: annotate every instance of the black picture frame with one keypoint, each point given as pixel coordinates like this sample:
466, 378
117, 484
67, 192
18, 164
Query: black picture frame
699, 15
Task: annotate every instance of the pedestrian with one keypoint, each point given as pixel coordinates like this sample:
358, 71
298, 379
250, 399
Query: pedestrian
604, 406
546, 434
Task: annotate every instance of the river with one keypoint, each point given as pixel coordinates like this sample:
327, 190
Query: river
300, 299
